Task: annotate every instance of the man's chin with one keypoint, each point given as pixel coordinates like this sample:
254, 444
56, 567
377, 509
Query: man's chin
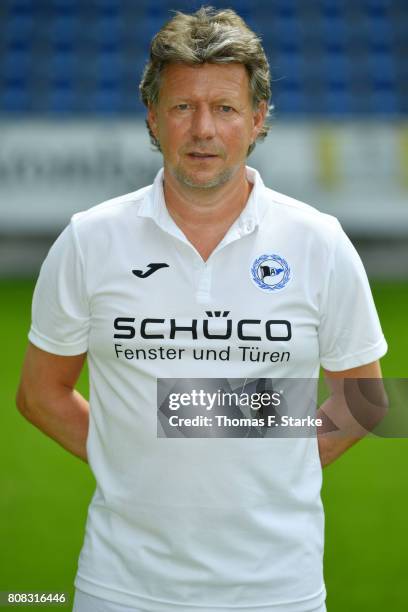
194, 181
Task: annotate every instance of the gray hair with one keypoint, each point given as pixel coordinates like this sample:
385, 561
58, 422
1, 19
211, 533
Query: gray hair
212, 36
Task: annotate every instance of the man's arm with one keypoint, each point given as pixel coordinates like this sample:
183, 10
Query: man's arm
336, 409
46, 397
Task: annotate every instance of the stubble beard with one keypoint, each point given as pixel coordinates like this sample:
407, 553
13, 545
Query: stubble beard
188, 181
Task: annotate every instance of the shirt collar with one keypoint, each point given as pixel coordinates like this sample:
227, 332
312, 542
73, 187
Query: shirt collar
154, 206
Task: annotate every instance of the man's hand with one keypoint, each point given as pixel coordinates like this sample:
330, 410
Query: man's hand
46, 397
350, 425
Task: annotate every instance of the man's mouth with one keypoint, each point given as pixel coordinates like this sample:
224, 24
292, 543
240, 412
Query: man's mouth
198, 155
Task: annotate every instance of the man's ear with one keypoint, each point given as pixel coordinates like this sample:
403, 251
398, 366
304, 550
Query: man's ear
152, 119
259, 118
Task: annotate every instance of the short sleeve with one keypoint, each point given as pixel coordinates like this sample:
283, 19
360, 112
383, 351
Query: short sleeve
350, 333
60, 311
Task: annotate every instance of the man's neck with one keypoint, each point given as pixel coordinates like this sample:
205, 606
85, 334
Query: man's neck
205, 215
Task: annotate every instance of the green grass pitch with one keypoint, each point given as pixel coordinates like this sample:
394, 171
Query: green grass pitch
45, 491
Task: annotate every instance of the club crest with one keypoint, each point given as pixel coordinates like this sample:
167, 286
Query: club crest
270, 272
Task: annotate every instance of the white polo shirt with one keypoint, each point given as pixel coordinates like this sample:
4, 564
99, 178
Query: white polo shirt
196, 523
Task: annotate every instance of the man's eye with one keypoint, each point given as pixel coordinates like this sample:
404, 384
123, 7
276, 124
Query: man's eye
182, 106
225, 109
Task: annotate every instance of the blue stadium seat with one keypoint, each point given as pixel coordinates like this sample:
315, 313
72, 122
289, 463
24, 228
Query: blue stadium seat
286, 30
17, 64
131, 104
107, 32
63, 46
384, 102
331, 9
400, 30
64, 30
110, 7
16, 46
62, 98
337, 66
334, 30
106, 100
377, 8
109, 66
144, 31
65, 6
18, 29
15, 99
383, 65
383, 84
338, 100
64, 64
288, 65
21, 7
285, 8
289, 98
378, 30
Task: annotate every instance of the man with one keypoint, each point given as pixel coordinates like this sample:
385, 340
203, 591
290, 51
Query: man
206, 259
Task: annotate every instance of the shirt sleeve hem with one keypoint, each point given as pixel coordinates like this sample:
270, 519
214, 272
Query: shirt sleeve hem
57, 348
356, 359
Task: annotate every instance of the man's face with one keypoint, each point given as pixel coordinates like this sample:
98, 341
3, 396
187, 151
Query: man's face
205, 122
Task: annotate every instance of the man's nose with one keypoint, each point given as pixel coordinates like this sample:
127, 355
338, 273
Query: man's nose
203, 126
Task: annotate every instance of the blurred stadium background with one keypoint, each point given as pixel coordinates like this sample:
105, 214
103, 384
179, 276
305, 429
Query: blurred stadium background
72, 134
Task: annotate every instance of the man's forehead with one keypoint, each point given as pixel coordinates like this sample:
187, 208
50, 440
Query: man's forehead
229, 77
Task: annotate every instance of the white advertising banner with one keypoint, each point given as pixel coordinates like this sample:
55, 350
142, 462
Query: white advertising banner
51, 169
